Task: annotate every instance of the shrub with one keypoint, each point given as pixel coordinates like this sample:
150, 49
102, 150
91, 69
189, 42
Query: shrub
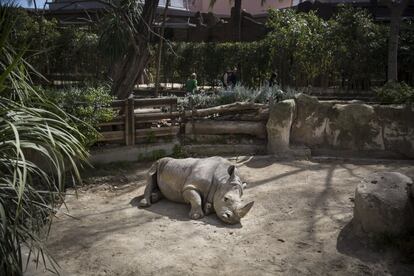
30, 129
90, 106
396, 93
264, 94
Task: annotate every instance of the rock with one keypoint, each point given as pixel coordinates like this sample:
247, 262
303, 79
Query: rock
398, 128
312, 116
279, 125
356, 127
352, 127
383, 204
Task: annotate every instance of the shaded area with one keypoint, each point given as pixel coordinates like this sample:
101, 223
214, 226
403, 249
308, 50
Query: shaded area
298, 226
372, 251
177, 211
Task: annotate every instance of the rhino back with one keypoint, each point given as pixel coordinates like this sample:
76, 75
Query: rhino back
176, 175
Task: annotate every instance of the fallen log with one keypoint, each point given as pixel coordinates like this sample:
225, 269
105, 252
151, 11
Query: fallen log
150, 133
150, 117
248, 115
223, 109
257, 129
229, 139
214, 149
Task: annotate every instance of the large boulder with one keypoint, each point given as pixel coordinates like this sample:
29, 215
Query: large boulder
312, 117
398, 128
355, 127
279, 124
383, 204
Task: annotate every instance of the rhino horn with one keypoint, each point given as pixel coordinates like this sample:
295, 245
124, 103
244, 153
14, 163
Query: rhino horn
241, 212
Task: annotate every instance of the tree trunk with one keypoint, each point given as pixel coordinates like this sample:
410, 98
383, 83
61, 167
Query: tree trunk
160, 48
237, 20
137, 56
396, 10
130, 70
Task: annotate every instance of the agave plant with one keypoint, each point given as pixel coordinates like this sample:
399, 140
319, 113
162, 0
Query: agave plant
38, 149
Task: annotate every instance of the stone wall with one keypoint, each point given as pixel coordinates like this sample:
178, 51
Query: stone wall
350, 127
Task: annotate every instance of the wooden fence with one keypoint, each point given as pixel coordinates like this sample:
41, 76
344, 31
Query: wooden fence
146, 121
140, 121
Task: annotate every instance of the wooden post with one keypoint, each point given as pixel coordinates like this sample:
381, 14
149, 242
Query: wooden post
192, 119
127, 123
131, 115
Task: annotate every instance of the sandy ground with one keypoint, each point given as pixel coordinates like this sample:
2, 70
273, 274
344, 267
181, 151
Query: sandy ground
299, 225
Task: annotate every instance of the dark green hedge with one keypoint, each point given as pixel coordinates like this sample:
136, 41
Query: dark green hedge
349, 50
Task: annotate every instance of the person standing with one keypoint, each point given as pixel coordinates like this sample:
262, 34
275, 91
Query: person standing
232, 78
225, 77
191, 84
273, 79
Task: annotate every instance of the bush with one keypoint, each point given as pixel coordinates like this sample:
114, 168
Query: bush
39, 151
89, 106
264, 94
395, 93
303, 48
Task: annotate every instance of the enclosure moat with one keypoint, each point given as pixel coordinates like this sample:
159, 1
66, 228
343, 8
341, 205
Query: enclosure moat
299, 225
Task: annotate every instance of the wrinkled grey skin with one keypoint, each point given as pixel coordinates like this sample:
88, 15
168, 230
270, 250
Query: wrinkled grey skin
189, 181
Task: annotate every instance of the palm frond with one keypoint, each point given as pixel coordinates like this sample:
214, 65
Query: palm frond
38, 149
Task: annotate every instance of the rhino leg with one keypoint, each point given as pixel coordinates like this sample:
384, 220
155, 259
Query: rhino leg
151, 188
156, 196
194, 198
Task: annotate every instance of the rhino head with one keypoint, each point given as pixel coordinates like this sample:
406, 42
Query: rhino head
227, 200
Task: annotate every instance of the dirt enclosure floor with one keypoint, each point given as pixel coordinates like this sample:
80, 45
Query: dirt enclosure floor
299, 225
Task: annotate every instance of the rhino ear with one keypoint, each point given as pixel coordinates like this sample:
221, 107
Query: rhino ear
245, 209
231, 170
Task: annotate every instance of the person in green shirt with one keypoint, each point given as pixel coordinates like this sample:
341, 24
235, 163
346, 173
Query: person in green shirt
191, 84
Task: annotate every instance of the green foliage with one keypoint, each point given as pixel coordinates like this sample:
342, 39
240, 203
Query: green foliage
90, 106
54, 49
299, 48
348, 50
263, 94
359, 45
210, 61
395, 93
38, 149
307, 49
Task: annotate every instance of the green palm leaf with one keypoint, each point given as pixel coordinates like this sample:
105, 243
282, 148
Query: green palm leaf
38, 150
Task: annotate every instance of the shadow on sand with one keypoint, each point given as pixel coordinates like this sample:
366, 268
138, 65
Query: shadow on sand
367, 250
177, 211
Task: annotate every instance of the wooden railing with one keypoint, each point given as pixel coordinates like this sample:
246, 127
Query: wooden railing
145, 121
138, 125
236, 119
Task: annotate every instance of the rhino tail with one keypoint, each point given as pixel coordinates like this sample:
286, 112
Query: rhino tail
153, 169
151, 187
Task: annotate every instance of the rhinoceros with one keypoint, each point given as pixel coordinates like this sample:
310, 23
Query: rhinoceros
208, 184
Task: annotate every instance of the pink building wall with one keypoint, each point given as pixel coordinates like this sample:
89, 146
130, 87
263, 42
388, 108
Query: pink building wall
251, 6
